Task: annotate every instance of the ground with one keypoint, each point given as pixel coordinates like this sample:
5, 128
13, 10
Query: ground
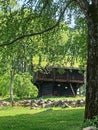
24, 118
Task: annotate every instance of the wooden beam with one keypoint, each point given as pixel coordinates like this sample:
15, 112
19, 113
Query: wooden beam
72, 90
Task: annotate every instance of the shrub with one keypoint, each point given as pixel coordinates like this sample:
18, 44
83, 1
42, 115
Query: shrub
23, 86
4, 84
91, 122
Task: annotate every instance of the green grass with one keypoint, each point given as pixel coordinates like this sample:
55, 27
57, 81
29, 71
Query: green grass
46, 98
20, 118
8, 99
63, 98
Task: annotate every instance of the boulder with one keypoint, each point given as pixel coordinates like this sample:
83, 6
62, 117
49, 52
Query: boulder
65, 105
89, 128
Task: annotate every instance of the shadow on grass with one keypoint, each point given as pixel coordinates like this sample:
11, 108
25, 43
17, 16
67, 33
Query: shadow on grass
46, 120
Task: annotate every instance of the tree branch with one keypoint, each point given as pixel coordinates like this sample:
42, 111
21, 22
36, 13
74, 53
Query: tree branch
40, 32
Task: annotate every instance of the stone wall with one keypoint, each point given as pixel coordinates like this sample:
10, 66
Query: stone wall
46, 103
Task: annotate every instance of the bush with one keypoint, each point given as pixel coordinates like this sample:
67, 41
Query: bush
4, 84
91, 122
23, 86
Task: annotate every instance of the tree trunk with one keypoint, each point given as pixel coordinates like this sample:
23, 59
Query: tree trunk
91, 108
11, 88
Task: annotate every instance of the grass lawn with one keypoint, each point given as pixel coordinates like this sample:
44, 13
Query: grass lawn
64, 98
20, 118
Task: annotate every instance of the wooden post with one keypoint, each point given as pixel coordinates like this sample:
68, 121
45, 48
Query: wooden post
72, 90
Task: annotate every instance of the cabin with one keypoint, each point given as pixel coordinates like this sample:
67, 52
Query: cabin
52, 82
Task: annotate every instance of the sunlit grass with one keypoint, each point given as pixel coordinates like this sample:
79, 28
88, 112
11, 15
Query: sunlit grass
46, 98
64, 98
20, 118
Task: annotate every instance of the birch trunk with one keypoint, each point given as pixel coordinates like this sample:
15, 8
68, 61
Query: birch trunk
11, 88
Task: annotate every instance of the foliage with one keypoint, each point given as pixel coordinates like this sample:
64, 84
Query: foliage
23, 86
91, 122
4, 84
39, 24
55, 47
78, 43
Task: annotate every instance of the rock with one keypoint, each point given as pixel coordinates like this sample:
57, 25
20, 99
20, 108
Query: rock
43, 105
65, 105
46, 103
89, 128
34, 105
73, 103
5, 103
40, 102
55, 103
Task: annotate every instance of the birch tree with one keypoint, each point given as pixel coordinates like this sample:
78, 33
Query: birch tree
42, 11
